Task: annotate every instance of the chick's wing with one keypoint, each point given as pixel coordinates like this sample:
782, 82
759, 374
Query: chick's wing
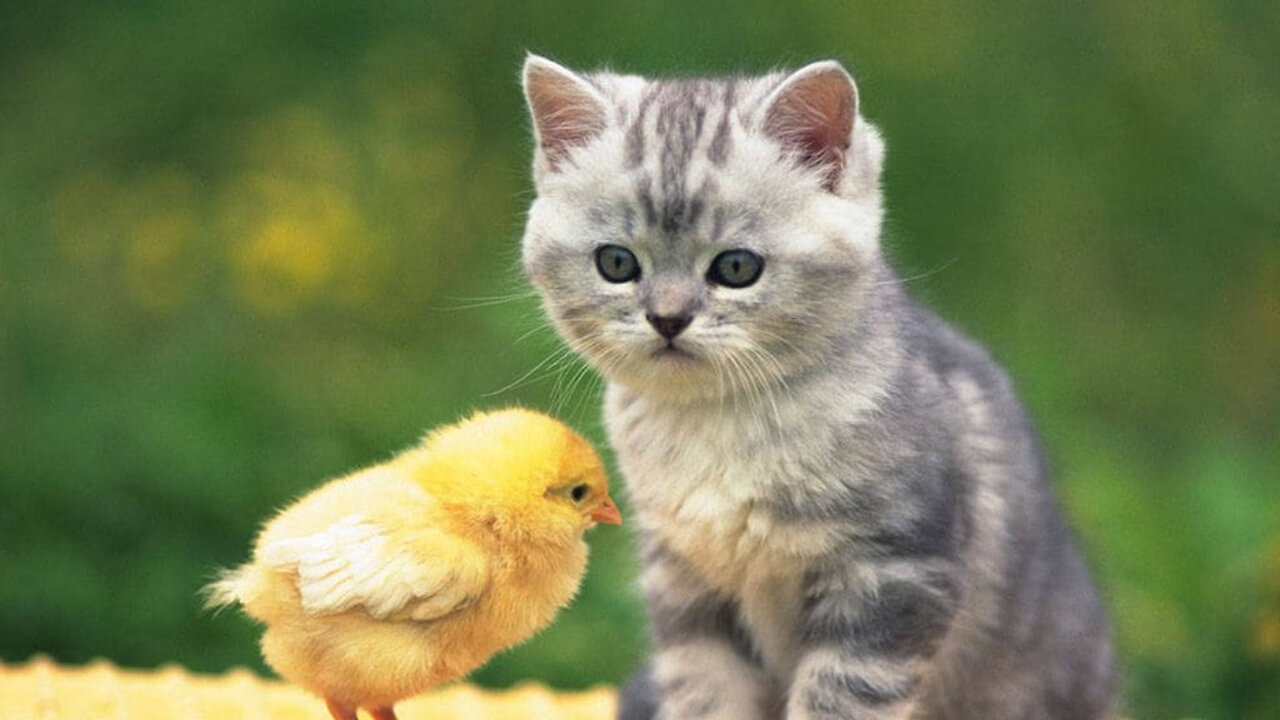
389, 573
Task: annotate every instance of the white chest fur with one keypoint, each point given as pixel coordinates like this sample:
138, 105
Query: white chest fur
701, 481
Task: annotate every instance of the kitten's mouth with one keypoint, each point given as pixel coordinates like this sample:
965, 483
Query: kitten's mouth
671, 351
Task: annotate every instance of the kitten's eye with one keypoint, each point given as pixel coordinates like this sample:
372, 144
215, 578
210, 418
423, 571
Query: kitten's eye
735, 268
617, 264
579, 492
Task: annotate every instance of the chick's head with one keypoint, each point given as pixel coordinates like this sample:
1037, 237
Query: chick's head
524, 474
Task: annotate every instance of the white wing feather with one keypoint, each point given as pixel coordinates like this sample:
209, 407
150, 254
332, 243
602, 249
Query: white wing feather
353, 563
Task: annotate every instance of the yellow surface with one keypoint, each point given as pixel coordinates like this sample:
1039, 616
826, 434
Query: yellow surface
43, 690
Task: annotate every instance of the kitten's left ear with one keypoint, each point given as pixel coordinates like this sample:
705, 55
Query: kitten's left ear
567, 111
811, 114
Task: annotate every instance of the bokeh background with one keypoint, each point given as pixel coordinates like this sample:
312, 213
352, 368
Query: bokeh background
249, 245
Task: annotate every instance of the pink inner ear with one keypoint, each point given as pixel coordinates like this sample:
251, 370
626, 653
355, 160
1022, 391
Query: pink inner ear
565, 112
812, 117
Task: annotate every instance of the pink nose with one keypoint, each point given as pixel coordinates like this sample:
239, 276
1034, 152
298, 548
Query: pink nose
669, 326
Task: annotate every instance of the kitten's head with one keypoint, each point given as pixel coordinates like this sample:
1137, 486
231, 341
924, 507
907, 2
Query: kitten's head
695, 238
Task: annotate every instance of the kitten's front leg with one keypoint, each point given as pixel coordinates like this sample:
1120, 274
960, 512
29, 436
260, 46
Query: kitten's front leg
703, 666
866, 648
706, 679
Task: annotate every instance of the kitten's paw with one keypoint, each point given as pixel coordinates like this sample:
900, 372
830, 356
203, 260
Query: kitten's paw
707, 679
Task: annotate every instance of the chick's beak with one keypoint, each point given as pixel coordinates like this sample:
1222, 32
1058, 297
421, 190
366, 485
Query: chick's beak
607, 512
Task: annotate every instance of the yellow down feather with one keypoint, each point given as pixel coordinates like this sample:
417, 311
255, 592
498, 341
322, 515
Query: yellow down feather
396, 578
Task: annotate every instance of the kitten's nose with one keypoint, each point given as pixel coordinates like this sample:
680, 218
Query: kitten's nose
669, 326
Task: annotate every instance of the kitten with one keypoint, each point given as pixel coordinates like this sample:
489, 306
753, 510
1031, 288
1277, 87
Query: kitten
842, 505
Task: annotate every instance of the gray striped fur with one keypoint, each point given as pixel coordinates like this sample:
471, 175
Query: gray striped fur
843, 506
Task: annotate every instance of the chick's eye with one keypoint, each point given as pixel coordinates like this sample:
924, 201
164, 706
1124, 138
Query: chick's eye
579, 492
617, 264
735, 268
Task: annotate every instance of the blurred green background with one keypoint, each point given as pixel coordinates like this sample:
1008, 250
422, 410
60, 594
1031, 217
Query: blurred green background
246, 246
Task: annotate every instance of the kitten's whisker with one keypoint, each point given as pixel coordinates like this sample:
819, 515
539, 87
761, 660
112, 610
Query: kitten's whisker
565, 381
720, 389
750, 390
586, 346
471, 303
760, 389
726, 363
919, 276
777, 372
773, 379
780, 339
804, 355
609, 359
572, 387
554, 364
531, 332
552, 360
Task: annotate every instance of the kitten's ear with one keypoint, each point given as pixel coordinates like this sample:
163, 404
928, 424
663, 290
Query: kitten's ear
811, 114
567, 111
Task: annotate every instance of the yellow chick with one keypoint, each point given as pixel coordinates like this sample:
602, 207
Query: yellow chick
389, 581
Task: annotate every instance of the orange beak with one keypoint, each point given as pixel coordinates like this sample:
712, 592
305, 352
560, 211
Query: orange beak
606, 513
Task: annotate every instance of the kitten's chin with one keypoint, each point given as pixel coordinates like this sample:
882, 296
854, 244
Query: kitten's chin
670, 373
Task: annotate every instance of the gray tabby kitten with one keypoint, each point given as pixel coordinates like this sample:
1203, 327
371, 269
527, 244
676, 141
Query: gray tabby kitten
842, 504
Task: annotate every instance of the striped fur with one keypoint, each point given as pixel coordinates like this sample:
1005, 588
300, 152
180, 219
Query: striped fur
842, 505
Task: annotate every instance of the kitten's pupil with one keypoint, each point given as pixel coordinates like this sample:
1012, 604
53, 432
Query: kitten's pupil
736, 268
617, 264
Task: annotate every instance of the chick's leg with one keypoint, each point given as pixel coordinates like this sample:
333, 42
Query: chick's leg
383, 713
340, 711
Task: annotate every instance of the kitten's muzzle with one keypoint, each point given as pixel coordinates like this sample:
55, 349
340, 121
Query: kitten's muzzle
669, 326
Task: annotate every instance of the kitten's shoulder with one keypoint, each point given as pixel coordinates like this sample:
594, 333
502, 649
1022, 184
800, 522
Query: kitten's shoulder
943, 357
945, 350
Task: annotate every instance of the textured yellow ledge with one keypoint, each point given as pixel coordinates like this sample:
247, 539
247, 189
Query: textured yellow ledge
40, 689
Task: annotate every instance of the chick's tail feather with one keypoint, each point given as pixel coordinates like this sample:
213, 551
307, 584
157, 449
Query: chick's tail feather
234, 586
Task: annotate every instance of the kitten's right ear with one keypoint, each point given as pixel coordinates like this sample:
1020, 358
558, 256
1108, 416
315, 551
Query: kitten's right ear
567, 111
